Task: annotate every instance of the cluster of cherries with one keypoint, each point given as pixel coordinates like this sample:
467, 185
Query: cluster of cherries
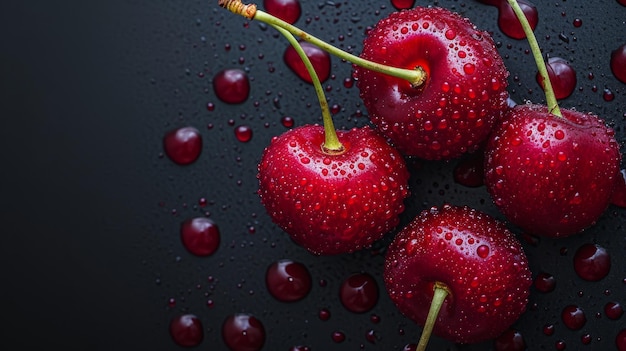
435, 88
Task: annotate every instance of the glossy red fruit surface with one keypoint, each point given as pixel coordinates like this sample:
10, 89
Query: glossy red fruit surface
480, 261
551, 176
465, 92
333, 203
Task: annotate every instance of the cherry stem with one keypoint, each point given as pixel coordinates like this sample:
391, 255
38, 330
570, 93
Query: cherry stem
441, 291
416, 76
331, 141
553, 106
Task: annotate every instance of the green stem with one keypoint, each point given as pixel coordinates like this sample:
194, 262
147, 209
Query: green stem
441, 291
331, 141
553, 106
416, 76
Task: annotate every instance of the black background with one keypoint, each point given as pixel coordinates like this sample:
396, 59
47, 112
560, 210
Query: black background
91, 208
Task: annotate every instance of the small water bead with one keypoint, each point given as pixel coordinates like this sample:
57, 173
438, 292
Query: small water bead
183, 145
577, 22
562, 77
613, 310
618, 63
243, 133
560, 345
510, 340
544, 282
200, 236
548, 329
186, 330
324, 314
231, 85
592, 262
287, 122
300, 348
243, 332
338, 336
403, 4
287, 10
359, 292
573, 317
288, 281
320, 60
608, 95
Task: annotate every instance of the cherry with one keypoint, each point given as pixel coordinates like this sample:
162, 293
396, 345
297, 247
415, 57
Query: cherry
359, 292
562, 76
573, 317
186, 330
471, 267
183, 145
231, 85
200, 236
333, 202
287, 10
618, 63
533, 153
288, 281
464, 92
319, 58
592, 262
243, 332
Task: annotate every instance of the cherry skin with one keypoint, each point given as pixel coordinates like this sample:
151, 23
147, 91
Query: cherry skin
475, 256
464, 93
551, 176
333, 202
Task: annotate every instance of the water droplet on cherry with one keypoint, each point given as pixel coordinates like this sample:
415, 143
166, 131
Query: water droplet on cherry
288, 281
183, 145
200, 236
231, 85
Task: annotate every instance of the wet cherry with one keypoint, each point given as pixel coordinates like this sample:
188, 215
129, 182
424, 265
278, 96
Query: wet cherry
287, 280
231, 85
592, 262
200, 236
183, 145
186, 330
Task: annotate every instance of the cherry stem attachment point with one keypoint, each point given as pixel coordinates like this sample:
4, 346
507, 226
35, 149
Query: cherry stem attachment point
553, 106
331, 141
416, 77
441, 291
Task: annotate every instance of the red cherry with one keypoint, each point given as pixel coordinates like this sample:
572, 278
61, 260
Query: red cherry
330, 202
551, 176
475, 256
463, 96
